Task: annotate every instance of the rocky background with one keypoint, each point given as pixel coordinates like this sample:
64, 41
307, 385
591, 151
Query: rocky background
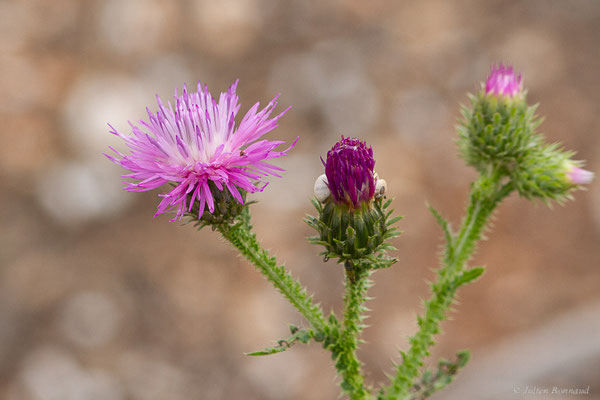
100, 301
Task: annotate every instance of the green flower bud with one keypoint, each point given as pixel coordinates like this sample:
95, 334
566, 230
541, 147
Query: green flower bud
549, 173
497, 131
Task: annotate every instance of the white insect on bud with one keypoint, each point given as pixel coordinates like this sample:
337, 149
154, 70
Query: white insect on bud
322, 192
380, 188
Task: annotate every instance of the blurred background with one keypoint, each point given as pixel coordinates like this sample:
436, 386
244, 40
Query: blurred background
99, 300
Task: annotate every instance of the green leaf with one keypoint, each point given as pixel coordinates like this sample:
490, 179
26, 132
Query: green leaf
469, 275
431, 382
267, 351
462, 358
298, 335
303, 336
394, 220
443, 224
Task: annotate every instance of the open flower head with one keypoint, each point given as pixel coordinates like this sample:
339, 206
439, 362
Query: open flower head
349, 171
503, 81
197, 143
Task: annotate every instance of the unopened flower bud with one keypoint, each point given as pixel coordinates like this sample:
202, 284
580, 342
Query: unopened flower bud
498, 129
352, 222
549, 173
349, 170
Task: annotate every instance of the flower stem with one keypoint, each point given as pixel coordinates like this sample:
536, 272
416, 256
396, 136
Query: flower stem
486, 194
347, 363
240, 235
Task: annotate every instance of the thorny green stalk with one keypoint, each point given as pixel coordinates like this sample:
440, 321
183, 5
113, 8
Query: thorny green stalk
357, 284
486, 194
241, 236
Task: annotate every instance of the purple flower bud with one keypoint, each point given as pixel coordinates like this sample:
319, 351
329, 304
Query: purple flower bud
578, 176
349, 170
503, 81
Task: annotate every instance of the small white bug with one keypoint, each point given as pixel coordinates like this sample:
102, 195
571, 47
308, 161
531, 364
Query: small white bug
380, 188
321, 189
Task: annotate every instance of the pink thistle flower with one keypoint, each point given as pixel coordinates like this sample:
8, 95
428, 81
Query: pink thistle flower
503, 81
197, 142
578, 176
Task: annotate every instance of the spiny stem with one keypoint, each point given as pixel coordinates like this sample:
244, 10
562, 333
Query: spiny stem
486, 194
242, 237
348, 365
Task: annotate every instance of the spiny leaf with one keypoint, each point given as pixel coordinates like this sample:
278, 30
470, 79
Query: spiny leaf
430, 382
469, 275
298, 335
267, 351
443, 224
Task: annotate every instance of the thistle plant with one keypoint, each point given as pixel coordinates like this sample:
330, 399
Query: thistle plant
213, 165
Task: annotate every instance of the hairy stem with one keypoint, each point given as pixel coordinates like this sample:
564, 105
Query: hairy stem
486, 194
347, 364
241, 236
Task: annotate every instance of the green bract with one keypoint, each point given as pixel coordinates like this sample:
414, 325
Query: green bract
351, 234
227, 208
497, 131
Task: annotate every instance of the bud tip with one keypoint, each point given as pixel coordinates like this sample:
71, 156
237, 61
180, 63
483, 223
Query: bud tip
503, 81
